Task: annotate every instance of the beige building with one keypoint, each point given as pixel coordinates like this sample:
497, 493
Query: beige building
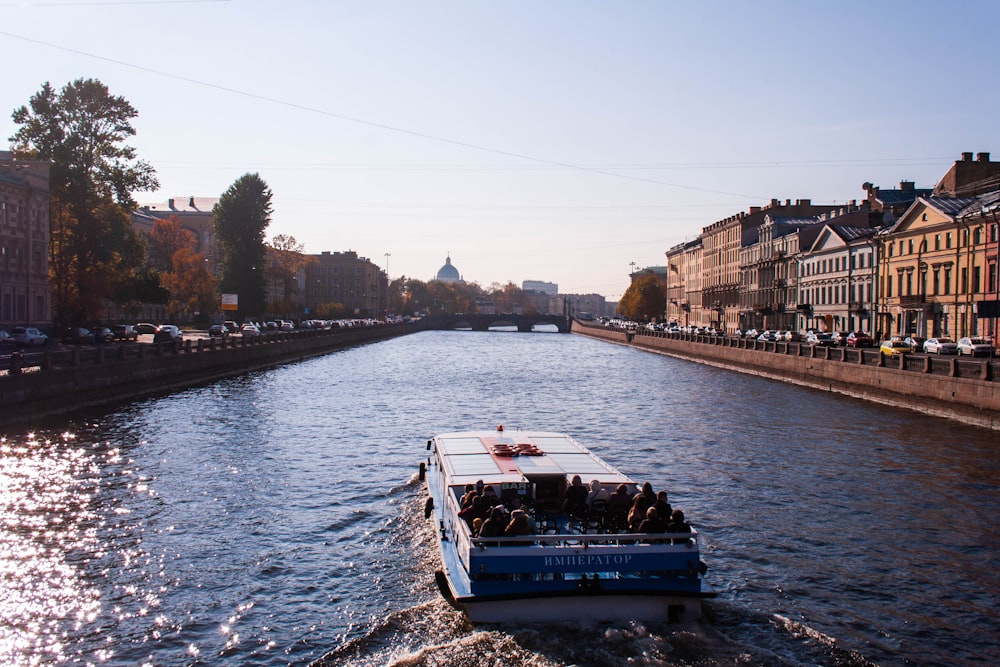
722, 243
933, 268
25, 294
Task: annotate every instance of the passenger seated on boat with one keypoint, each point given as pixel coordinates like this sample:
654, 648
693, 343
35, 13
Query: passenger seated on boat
575, 503
467, 495
619, 503
495, 525
518, 526
678, 525
663, 508
647, 490
490, 494
477, 510
477, 525
597, 492
653, 524
637, 513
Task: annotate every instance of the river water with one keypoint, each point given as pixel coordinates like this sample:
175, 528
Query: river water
275, 518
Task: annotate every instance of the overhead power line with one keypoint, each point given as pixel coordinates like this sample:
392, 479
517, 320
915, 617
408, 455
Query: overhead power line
382, 126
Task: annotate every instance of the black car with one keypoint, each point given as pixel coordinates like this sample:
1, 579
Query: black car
77, 336
218, 330
125, 332
103, 335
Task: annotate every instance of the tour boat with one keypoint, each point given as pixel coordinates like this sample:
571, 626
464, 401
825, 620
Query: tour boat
575, 565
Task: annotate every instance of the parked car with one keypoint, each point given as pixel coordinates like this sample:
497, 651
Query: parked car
859, 339
975, 346
167, 333
893, 348
249, 330
6, 340
28, 336
125, 332
231, 326
820, 338
218, 330
940, 346
839, 338
76, 336
916, 343
145, 328
103, 335
767, 336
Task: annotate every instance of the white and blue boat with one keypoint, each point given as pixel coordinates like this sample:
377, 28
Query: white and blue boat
573, 566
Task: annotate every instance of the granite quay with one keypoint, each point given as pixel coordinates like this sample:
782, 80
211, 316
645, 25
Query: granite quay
967, 390
37, 385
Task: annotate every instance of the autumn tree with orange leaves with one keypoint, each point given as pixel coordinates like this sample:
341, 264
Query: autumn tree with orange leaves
191, 285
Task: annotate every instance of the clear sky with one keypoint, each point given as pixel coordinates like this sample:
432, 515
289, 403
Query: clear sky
550, 140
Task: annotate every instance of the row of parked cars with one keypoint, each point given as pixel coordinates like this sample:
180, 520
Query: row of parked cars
972, 346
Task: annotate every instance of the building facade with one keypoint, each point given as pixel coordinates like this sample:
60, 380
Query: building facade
25, 293
343, 278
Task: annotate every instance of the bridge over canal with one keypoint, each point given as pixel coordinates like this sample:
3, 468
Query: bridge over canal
478, 322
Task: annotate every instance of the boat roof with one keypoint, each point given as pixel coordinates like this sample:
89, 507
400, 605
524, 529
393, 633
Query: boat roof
469, 456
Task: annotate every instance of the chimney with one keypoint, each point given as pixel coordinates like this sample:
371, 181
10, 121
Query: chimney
170, 202
967, 157
983, 157
191, 202
906, 186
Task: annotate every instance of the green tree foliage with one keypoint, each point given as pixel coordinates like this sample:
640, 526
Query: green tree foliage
240, 218
645, 299
93, 249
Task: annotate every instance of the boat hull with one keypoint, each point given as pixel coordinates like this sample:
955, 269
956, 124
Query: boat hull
565, 570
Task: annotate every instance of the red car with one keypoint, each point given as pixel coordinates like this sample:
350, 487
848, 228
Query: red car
859, 339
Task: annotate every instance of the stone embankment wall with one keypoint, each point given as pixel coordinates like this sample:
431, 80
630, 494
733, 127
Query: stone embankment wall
962, 389
60, 382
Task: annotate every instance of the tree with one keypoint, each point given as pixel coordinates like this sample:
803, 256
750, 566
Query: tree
288, 258
165, 239
240, 218
191, 285
644, 299
93, 248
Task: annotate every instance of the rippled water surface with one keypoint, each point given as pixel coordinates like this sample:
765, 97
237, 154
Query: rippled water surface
275, 518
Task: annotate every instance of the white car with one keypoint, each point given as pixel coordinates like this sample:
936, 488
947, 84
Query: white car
940, 346
975, 346
28, 336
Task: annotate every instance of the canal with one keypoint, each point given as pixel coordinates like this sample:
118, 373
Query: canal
275, 518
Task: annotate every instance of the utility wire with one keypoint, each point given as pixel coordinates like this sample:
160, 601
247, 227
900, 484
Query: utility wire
382, 126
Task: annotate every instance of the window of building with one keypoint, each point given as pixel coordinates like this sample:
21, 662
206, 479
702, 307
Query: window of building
976, 277
936, 281
977, 236
965, 238
910, 249
909, 284
947, 242
888, 287
937, 241
899, 283
947, 280
965, 280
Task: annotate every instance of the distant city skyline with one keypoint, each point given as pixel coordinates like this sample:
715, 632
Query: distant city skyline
569, 142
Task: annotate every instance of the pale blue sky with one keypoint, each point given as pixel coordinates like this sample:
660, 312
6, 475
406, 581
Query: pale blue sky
544, 140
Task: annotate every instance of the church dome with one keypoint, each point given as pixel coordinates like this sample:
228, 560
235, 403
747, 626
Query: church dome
448, 273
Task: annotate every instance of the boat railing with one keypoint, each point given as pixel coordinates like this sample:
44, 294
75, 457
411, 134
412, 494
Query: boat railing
682, 541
